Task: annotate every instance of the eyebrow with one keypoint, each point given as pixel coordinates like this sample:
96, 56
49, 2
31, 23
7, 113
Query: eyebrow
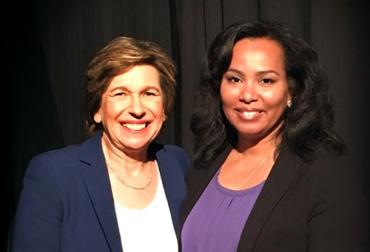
235, 71
123, 87
259, 72
144, 89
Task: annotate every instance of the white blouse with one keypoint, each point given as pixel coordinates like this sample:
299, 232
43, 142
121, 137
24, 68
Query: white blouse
150, 228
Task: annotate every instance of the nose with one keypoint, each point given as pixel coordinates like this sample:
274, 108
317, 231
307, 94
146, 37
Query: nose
136, 108
248, 93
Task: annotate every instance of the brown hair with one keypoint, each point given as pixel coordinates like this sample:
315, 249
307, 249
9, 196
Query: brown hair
117, 57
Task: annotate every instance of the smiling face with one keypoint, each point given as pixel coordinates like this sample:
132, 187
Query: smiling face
254, 89
132, 110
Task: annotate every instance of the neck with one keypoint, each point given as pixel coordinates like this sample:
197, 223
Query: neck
247, 147
254, 144
133, 163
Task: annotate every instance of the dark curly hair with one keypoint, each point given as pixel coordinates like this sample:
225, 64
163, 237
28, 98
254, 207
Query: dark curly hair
308, 123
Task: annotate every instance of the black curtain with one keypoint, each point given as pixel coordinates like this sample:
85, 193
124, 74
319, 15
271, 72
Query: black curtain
49, 44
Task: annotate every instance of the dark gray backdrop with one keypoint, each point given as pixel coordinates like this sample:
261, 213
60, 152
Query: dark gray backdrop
50, 43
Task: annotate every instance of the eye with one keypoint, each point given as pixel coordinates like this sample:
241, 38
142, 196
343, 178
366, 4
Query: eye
118, 93
267, 81
150, 93
233, 76
233, 79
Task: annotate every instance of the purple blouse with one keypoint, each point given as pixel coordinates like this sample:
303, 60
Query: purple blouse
217, 219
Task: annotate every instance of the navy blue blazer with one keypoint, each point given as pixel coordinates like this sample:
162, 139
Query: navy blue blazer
304, 206
66, 203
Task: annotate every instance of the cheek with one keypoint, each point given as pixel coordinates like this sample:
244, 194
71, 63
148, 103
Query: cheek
160, 112
275, 99
156, 107
111, 109
116, 107
228, 95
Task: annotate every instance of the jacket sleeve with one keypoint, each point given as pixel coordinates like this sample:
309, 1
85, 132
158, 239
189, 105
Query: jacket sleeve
38, 218
338, 220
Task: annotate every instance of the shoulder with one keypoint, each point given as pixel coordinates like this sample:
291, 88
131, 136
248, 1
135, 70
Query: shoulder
64, 153
178, 153
327, 171
334, 166
169, 151
324, 163
336, 194
329, 179
337, 179
57, 161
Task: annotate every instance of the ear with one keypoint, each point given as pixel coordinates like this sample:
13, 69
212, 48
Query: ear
97, 117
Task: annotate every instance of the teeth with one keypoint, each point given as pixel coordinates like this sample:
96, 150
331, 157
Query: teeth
250, 115
135, 126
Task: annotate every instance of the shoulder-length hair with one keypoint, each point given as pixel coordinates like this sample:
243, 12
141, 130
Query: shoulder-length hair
308, 123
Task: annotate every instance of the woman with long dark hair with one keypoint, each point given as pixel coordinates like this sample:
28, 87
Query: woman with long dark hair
270, 173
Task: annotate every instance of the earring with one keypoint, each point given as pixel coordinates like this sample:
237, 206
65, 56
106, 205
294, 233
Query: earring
97, 118
289, 103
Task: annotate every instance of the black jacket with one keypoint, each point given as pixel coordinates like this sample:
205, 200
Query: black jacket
304, 206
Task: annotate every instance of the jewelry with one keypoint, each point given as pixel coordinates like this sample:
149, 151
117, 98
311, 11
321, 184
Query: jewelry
118, 176
289, 103
261, 163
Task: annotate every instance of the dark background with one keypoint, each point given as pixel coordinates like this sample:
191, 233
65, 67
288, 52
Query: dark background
48, 44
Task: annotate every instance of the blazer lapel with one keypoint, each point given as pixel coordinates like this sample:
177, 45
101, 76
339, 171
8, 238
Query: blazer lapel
173, 182
97, 184
198, 181
276, 185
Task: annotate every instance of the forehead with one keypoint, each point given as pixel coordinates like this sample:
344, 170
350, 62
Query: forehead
258, 51
262, 43
136, 77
